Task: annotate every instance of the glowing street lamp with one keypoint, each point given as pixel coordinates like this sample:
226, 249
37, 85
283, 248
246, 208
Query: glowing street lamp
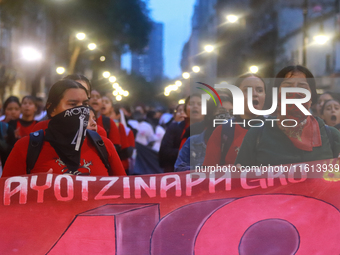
178, 83
196, 69
119, 98
106, 74
30, 54
115, 85
112, 79
115, 93
173, 87
232, 18
166, 93
102, 58
208, 48
254, 69
80, 36
125, 93
321, 39
186, 75
92, 46
60, 70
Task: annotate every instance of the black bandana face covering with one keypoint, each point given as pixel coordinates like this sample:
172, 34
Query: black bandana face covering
66, 133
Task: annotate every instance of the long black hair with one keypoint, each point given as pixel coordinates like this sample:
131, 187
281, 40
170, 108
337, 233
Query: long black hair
294, 69
57, 92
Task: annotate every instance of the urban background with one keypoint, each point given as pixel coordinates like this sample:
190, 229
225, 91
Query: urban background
42, 41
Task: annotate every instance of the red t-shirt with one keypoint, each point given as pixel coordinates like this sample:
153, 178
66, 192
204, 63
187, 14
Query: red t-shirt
113, 133
124, 142
213, 151
131, 138
25, 130
90, 161
101, 131
40, 125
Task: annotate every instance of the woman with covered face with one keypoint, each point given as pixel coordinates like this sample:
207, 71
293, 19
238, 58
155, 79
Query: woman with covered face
226, 140
301, 138
193, 151
65, 148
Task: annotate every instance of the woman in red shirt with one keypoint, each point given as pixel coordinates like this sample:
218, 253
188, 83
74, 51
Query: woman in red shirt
24, 125
11, 109
221, 148
65, 148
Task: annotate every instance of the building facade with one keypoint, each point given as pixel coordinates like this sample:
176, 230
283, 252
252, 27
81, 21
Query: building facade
149, 64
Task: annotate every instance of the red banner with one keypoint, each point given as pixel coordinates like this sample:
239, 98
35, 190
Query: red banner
176, 213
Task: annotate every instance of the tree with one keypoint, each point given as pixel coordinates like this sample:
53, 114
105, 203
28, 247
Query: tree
116, 25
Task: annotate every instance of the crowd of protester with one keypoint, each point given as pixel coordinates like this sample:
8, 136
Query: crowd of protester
81, 131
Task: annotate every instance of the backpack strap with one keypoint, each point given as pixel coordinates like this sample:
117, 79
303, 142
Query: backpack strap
227, 138
100, 147
34, 148
331, 140
106, 124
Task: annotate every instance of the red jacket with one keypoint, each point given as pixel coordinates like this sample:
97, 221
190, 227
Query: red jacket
214, 144
113, 133
90, 161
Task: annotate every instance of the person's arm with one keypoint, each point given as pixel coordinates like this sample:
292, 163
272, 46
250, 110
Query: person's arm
183, 159
113, 158
16, 161
213, 151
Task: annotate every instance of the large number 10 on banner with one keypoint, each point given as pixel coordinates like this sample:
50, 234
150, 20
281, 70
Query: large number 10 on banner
185, 213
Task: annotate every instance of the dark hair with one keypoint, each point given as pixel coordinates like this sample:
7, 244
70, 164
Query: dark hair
176, 109
32, 98
116, 108
294, 69
327, 93
324, 105
80, 77
187, 100
9, 100
127, 107
57, 92
242, 77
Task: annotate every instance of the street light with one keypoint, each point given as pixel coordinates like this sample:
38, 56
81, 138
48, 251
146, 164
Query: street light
115, 93
80, 36
254, 69
106, 74
178, 83
115, 85
30, 54
60, 70
196, 69
112, 79
102, 58
232, 18
173, 87
119, 97
186, 75
321, 39
166, 93
92, 46
125, 93
208, 48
